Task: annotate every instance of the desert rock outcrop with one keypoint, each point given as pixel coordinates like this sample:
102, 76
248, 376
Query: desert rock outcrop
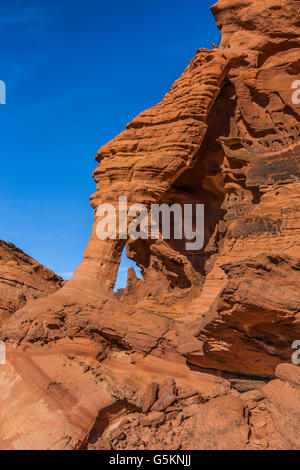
205, 337
22, 279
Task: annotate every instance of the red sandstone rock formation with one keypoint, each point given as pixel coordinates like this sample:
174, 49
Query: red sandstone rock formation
200, 338
22, 279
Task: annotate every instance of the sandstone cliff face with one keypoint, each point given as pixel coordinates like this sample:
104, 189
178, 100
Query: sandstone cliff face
201, 336
22, 279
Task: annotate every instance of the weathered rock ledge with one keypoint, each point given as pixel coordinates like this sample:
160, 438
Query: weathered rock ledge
197, 354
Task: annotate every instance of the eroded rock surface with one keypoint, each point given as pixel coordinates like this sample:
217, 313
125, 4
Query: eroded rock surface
189, 356
22, 279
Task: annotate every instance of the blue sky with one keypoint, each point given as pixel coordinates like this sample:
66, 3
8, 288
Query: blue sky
76, 72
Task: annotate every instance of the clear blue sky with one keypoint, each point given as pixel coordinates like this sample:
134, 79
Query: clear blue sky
76, 72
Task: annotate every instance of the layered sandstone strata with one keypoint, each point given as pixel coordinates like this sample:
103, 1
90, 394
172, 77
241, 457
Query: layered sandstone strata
200, 338
22, 279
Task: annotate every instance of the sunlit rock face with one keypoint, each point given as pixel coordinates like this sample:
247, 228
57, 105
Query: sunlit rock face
200, 338
22, 279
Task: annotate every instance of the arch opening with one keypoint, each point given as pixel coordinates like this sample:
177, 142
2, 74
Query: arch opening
125, 264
